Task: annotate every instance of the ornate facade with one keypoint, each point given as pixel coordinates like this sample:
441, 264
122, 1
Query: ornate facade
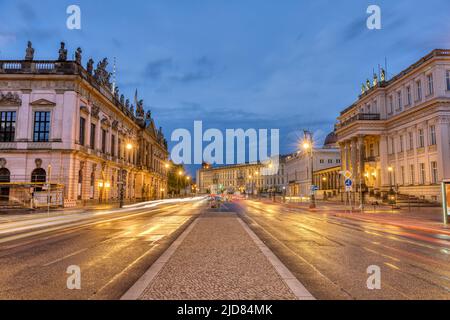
69, 124
396, 137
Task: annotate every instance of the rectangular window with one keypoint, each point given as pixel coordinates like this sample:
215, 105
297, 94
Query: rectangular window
411, 175
419, 90
7, 126
399, 100
430, 84
113, 145
402, 174
82, 130
92, 142
103, 140
448, 80
119, 148
421, 139
41, 132
411, 140
392, 146
408, 95
391, 105
330, 161
434, 172
422, 173
433, 135
338, 161
401, 144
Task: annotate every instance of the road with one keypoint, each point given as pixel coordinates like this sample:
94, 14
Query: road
330, 255
112, 251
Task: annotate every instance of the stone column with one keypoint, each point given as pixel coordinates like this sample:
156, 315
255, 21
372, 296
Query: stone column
384, 162
443, 147
354, 158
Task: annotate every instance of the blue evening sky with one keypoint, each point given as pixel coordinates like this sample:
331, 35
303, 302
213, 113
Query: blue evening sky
290, 65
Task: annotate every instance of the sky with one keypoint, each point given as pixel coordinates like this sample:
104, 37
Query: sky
288, 65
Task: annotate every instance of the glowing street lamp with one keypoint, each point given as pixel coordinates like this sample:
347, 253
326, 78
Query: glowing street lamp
129, 146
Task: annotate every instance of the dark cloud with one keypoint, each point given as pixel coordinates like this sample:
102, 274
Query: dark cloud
155, 69
355, 29
203, 69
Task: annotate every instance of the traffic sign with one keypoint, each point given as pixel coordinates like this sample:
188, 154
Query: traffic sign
347, 174
348, 183
314, 188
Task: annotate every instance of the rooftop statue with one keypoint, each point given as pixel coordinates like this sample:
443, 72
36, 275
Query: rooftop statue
383, 75
90, 66
375, 80
29, 56
62, 52
122, 99
101, 74
140, 109
78, 55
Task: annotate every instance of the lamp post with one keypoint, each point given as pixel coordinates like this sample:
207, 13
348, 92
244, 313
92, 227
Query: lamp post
308, 147
129, 147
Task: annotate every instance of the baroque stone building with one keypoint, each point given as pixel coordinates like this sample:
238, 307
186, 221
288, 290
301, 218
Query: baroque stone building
396, 136
66, 125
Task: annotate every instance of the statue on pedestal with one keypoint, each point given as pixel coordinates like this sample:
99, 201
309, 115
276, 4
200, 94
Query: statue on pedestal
78, 55
62, 52
90, 66
29, 56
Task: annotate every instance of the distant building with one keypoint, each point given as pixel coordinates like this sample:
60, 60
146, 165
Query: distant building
326, 166
396, 136
66, 125
254, 178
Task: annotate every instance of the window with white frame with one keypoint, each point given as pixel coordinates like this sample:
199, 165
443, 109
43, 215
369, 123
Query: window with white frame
399, 100
408, 95
402, 175
434, 172
430, 84
422, 173
448, 80
411, 175
419, 90
421, 139
391, 105
411, 140
433, 135
392, 146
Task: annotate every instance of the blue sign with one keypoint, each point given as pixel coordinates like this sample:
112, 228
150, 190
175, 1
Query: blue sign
348, 183
314, 188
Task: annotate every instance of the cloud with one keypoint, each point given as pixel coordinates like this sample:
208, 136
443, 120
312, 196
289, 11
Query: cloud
156, 69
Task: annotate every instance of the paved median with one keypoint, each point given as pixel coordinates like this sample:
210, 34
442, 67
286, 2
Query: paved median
220, 258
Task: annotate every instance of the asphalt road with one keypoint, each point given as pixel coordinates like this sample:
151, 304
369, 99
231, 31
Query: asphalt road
330, 255
112, 251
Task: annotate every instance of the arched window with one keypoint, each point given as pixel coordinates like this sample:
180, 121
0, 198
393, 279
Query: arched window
39, 176
80, 184
92, 185
5, 177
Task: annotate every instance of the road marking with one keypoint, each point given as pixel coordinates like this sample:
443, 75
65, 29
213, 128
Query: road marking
288, 278
138, 288
65, 257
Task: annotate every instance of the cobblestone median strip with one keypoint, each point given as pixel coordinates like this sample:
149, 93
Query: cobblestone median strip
218, 258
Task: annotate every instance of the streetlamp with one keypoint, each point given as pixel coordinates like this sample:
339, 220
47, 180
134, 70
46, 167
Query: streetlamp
308, 147
122, 173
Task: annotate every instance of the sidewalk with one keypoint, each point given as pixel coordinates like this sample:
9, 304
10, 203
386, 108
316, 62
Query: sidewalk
422, 219
218, 258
